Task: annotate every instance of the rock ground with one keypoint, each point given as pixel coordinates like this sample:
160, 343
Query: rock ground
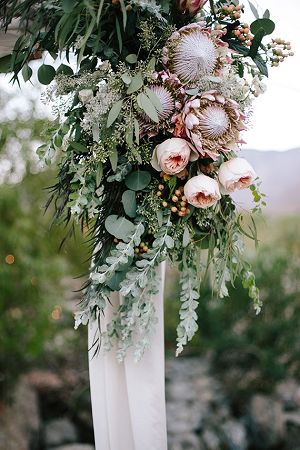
51, 411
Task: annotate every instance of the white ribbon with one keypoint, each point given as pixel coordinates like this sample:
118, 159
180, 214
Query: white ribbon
128, 399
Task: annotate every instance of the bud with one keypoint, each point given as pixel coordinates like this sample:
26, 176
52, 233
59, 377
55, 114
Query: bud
190, 6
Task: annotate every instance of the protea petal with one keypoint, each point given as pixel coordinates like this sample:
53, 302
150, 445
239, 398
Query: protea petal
193, 52
218, 124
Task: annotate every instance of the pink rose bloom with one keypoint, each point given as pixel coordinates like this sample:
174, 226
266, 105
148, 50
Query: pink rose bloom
173, 155
202, 191
190, 6
234, 174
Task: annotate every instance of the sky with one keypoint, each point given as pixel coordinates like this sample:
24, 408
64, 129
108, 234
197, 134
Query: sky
275, 121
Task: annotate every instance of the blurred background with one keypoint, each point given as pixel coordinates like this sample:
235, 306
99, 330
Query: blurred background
237, 384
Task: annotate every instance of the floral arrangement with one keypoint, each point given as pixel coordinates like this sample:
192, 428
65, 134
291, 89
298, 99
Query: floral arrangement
147, 142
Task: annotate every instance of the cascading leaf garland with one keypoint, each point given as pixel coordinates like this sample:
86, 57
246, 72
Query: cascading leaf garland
146, 140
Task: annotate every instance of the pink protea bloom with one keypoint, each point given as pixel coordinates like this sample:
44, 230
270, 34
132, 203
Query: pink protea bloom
171, 95
190, 6
194, 52
213, 123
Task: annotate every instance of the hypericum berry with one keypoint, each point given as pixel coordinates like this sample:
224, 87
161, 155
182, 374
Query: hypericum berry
174, 199
279, 51
165, 204
174, 209
158, 193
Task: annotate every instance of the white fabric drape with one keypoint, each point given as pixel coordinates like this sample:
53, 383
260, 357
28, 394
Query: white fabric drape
128, 399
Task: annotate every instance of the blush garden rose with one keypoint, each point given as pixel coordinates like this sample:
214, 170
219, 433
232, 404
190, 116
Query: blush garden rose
234, 174
173, 155
202, 191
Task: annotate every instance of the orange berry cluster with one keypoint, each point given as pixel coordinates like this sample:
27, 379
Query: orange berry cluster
232, 11
243, 34
178, 203
142, 248
280, 50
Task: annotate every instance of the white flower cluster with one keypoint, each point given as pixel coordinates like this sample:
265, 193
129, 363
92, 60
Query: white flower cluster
97, 107
149, 5
230, 85
258, 86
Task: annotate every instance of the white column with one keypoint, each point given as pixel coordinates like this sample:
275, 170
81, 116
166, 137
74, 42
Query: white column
128, 399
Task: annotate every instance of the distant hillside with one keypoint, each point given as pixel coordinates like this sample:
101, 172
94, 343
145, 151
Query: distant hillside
280, 176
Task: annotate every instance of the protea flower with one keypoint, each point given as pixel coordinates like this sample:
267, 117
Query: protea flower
194, 52
213, 123
190, 6
171, 94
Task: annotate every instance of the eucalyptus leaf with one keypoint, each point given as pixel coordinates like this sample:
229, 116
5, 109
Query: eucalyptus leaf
137, 131
145, 104
151, 64
137, 181
253, 9
114, 113
129, 136
193, 91
65, 70
26, 72
126, 78
262, 24
136, 83
132, 58
186, 238
5, 64
80, 148
99, 174
154, 99
169, 242
119, 227
114, 160
129, 203
57, 140
159, 216
46, 74
115, 281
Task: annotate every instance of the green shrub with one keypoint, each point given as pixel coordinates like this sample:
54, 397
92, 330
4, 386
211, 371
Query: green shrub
261, 349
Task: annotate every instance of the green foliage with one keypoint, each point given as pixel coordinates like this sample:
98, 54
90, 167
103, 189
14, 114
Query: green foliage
119, 227
129, 203
189, 297
138, 180
267, 345
32, 269
32, 273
